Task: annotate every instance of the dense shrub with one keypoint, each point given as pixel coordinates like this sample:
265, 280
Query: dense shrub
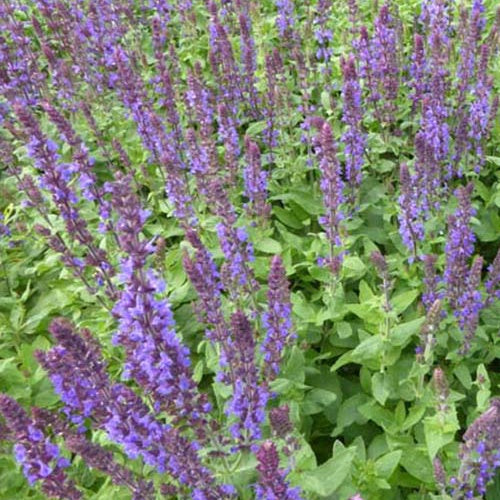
249, 249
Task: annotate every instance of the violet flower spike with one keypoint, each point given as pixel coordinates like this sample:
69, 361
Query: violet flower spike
272, 483
354, 138
277, 320
479, 455
459, 247
40, 458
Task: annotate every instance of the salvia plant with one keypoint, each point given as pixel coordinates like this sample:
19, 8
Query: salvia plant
249, 250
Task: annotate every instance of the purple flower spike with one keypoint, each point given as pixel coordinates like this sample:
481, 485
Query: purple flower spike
479, 454
459, 247
272, 484
39, 457
277, 320
255, 181
352, 115
249, 397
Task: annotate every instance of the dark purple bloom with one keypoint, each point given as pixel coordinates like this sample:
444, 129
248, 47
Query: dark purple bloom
223, 63
353, 138
255, 181
493, 279
228, 135
249, 62
418, 71
249, 398
279, 418
331, 185
431, 281
156, 358
482, 110
79, 376
55, 177
277, 320
272, 484
479, 454
459, 247
40, 458
285, 20
411, 227
155, 138
470, 303
204, 275
94, 455
322, 33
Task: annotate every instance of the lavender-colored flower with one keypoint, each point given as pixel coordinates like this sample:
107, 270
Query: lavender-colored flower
411, 227
150, 127
156, 358
164, 88
272, 484
223, 63
459, 247
470, 303
431, 281
255, 181
79, 375
94, 455
418, 71
249, 396
482, 110
235, 273
470, 33
228, 135
55, 177
204, 275
385, 56
352, 115
40, 458
279, 418
249, 63
322, 33
277, 320
285, 20
331, 185
274, 74
493, 280
479, 454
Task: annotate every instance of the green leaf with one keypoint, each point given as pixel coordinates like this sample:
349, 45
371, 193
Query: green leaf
439, 430
380, 387
344, 330
381, 416
385, 466
414, 416
287, 217
294, 368
353, 267
463, 374
329, 476
267, 245
401, 334
403, 300
416, 461
317, 400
